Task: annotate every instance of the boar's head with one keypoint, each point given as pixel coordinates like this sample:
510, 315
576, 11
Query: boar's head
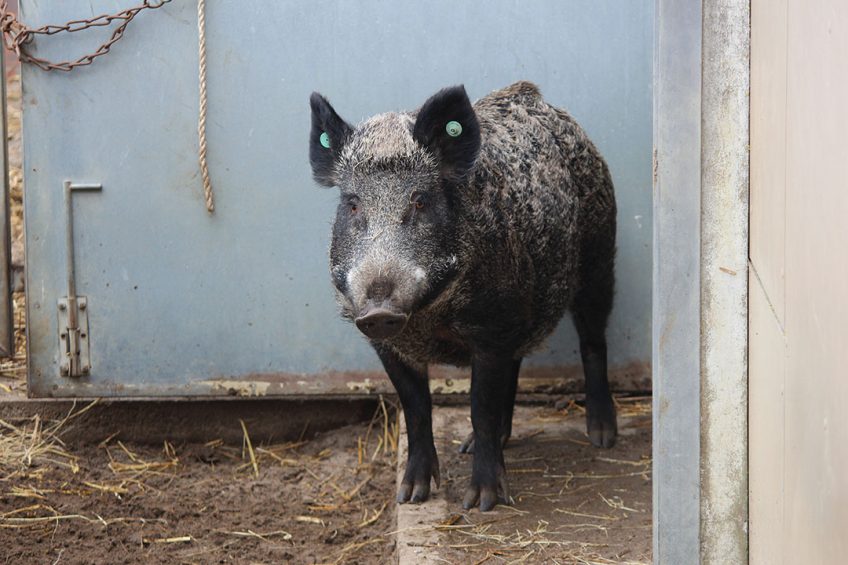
394, 247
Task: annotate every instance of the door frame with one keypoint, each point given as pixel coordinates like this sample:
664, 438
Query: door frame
700, 291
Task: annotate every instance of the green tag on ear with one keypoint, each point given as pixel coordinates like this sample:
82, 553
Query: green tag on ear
453, 128
325, 140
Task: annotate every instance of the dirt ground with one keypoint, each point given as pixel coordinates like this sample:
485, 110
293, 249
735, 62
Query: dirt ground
328, 499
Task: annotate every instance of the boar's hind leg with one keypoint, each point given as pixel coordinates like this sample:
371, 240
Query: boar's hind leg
414, 392
467, 445
491, 376
591, 310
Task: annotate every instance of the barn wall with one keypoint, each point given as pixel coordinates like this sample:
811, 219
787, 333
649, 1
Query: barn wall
798, 272
181, 302
700, 287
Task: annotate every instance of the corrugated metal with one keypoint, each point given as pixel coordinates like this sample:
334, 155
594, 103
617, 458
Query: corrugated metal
181, 302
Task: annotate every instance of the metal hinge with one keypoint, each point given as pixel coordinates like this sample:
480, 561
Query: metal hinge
73, 337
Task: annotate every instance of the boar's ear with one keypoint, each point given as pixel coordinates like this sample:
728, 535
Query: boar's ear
447, 126
328, 136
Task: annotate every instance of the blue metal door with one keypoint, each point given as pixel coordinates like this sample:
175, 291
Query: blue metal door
181, 302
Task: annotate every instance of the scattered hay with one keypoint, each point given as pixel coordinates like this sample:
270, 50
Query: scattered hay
45, 515
578, 512
137, 467
178, 539
246, 442
32, 448
284, 535
366, 521
533, 545
344, 554
387, 438
310, 520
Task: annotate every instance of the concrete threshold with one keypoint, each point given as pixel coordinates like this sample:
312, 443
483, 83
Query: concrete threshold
573, 503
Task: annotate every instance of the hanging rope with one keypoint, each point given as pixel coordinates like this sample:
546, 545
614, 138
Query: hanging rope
201, 121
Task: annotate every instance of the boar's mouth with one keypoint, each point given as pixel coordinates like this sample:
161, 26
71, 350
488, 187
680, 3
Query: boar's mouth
380, 322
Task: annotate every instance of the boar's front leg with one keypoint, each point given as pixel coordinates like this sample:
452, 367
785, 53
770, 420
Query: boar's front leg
413, 390
467, 445
491, 377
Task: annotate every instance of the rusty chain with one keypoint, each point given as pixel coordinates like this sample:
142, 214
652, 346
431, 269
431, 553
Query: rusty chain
16, 35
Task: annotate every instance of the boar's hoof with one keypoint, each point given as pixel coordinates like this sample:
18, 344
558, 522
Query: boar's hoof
415, 486
601, 425
380, 323
467, 446
487, 492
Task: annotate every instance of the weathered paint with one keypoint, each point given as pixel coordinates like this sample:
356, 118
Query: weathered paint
179, 297
443, 380
724, 284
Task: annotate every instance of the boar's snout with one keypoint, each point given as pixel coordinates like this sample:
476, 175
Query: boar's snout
383, 294
378, 322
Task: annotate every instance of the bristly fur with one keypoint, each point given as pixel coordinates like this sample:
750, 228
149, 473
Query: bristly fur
468, 249
532, 217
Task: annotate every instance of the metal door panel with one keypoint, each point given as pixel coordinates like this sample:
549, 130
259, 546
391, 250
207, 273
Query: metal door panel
181, 302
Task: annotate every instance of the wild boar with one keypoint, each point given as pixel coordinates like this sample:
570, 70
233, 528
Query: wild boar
463, 234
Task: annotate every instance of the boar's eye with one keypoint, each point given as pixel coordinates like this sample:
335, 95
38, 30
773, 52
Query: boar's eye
418, 200
353, 205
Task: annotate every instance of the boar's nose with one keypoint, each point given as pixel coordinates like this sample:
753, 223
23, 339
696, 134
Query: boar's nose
380, 323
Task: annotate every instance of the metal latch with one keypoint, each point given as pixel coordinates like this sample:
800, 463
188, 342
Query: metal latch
73, 337
73, 309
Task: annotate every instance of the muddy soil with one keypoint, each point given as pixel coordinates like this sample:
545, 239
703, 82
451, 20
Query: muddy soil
311, 502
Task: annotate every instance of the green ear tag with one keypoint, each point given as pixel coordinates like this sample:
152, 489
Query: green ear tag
325, 140
453, 129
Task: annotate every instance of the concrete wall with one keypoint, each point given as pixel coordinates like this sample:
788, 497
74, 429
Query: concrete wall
700, 290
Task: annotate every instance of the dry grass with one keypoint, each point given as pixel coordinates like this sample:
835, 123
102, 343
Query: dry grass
31, 446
